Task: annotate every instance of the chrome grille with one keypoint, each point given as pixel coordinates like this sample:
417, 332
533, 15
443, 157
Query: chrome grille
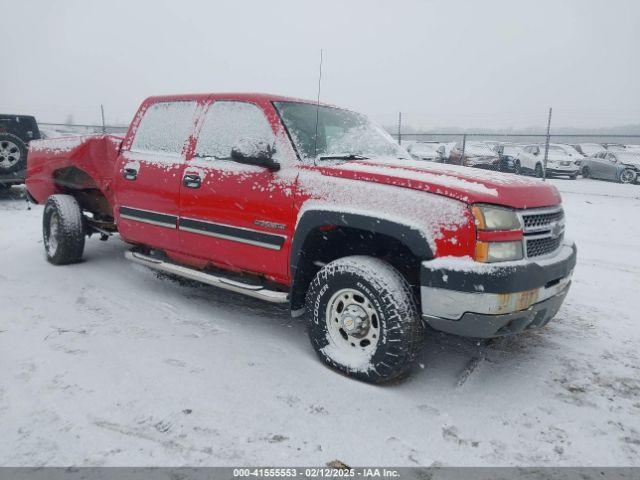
541, 219
543, 230
542, 246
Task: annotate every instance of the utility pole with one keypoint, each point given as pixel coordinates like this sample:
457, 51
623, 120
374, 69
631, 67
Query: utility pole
400, 128
104, 127
546, 147
464, 146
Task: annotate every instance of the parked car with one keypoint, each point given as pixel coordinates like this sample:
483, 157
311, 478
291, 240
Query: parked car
586, 149
615, 147
632, 148
559, 163
16, 131
430, 151
507, 152
476, 154
622, 167
238, 191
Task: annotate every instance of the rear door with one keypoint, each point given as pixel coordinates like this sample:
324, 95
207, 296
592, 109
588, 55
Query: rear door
236, 216
597, 165
148, 175
610, 167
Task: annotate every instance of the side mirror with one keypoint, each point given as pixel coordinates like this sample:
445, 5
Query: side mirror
536, 152
441, 150
252, 151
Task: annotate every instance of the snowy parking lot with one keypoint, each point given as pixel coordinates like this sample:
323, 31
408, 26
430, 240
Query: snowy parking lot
107, 363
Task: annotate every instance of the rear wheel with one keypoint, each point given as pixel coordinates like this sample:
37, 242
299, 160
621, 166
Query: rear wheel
627, 176
63, 230
518, 167
364, 318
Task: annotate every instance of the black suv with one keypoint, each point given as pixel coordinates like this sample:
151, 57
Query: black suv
16, 131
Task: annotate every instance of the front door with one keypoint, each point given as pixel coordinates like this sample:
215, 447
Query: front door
236, 216
148, 175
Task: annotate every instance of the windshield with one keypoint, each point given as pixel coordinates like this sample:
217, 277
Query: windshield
569, 150
341, 133
511, 150
478, 149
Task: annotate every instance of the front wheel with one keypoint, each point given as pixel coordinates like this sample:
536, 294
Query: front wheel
627, 176
585, 172
539, 171
363, 318
63, 230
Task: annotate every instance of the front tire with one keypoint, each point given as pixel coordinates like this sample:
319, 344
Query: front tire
63, 230
627, 176
585, 172
518, 167
364, 319
13, 153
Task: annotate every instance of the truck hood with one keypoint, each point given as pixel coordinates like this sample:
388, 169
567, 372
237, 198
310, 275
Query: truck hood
468, 185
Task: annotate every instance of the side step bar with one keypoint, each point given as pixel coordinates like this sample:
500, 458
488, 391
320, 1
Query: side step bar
255, 291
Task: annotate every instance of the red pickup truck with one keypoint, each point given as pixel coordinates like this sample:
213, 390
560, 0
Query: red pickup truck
289, 201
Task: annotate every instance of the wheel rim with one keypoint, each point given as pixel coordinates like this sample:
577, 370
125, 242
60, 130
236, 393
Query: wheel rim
353, 325
51, 242
9, 154
627, 176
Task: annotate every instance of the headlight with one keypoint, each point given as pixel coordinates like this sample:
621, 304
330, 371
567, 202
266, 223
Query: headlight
489, 217
498, 251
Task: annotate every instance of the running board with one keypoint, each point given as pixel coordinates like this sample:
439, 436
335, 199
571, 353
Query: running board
255, 291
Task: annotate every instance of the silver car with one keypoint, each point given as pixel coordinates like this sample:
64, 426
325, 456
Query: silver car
622, 167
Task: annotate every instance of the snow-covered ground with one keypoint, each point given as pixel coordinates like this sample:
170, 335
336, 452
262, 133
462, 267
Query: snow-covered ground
105, 363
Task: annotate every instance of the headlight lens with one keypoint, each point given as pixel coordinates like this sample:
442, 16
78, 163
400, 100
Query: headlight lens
490, 252
489, 217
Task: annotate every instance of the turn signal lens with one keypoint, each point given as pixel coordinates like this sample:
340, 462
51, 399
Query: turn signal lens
490, 252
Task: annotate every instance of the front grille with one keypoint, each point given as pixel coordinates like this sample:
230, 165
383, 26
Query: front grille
542, 246
543, 231
537, 220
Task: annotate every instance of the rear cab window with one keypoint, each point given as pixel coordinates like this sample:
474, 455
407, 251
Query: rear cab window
165, 128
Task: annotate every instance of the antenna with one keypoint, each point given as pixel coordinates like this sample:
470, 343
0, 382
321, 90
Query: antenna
315, 139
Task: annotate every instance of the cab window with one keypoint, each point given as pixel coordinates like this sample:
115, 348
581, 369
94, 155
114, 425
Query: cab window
165, 128
226, 123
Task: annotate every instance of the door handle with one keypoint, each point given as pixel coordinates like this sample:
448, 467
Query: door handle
192, 180
130, 174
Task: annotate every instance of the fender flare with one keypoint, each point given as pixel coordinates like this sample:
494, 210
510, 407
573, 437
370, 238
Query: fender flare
317, 218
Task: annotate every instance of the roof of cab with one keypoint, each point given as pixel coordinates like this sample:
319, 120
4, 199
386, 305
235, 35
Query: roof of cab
247, 97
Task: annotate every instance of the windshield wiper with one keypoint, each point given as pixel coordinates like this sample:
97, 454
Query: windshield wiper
349, 156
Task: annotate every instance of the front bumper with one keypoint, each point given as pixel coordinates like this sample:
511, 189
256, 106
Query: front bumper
563, 169
492, 300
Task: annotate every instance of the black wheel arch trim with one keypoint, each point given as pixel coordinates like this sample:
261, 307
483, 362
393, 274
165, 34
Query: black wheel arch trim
311, 220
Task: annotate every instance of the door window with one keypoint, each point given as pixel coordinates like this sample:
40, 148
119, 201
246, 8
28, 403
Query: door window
165, 127
226, 123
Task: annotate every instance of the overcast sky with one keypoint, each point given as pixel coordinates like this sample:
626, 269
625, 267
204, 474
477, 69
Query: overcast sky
442, 63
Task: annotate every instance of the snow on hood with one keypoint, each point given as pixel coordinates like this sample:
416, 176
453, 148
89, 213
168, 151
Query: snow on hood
469, 185
630, 159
